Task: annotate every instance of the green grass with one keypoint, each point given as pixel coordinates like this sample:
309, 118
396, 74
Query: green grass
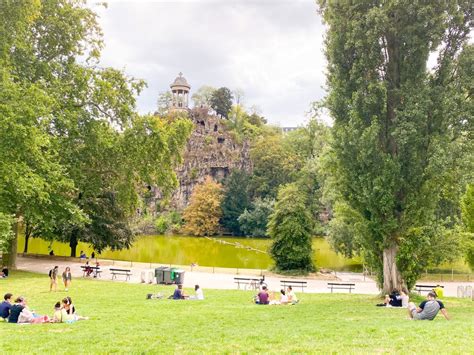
123, 321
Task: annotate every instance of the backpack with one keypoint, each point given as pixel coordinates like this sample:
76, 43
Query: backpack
50, 272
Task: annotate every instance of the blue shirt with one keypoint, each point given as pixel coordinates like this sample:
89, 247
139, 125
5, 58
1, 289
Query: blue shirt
5, 309
177, 295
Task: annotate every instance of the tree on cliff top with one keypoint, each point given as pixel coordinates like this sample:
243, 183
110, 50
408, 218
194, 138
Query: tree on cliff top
204, 210
221, 101
395, 122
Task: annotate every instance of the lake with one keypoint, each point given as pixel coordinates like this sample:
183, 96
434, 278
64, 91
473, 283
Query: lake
246, 253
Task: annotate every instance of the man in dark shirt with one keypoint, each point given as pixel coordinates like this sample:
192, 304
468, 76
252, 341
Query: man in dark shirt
263, 297
428, 309
16, 310
6, 305
178, 293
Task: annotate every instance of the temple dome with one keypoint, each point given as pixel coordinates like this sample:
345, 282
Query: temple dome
180, 81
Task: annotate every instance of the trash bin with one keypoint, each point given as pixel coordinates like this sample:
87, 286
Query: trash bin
177, 276
167, 272
160, 274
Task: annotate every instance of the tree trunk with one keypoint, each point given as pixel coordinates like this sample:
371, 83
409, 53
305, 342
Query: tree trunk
25, 249
392, 279
13, 247
73, 243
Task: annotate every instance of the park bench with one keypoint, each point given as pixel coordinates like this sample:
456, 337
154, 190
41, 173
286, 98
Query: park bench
425, 288
341, 286
292, 283
247, 281
95, 270
126, 272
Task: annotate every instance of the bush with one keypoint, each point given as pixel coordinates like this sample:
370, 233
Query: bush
162, 224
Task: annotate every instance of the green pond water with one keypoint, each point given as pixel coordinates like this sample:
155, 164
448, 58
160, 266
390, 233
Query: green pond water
219, 252
185, 250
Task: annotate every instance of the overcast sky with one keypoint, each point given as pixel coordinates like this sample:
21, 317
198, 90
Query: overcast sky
270, 49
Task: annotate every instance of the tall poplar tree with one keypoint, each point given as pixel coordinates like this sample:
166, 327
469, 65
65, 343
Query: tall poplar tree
395, 121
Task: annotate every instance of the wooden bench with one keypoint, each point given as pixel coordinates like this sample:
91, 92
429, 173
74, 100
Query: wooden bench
247, 281
95, 270
341, 286
286, 283
425, 288
126, 272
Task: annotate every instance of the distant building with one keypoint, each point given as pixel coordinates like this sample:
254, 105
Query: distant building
288, 129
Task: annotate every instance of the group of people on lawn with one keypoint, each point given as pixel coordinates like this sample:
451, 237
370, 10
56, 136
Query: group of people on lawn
427, 310
19, 312
286, 297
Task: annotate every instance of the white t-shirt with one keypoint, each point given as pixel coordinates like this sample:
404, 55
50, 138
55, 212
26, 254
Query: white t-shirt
284, 299
199, 294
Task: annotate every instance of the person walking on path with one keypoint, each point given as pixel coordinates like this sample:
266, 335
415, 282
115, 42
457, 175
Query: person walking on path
67, 277
53, 278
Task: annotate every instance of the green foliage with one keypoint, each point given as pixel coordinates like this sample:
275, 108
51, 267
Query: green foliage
204, 209
221, 101
273, 166
164, 102
290, 228
397, 126
203, 96
235, 201
253, 222
71, 132
6, 232
162, 224
168, 222
242, 125
467, 207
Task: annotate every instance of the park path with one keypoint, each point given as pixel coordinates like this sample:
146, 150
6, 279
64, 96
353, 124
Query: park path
207, 277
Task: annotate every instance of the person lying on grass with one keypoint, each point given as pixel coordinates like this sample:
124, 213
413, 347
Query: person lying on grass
20, 313
428, 309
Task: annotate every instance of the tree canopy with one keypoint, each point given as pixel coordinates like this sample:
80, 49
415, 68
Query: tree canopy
396, 124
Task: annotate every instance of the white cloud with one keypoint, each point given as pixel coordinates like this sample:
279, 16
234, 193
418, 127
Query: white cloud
270, 49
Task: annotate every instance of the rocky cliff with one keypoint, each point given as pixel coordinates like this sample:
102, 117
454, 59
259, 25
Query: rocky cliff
210, 151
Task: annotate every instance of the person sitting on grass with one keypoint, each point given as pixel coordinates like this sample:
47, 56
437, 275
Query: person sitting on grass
428, 309
396, 299
64, 313
16, 309
263, 296
178, 293
283, 298
5, 306
199, 295
4, 273
291, 295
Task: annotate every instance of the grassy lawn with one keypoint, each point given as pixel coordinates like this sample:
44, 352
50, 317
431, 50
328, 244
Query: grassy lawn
122, 320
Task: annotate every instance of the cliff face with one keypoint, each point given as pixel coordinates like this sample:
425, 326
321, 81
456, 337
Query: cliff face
211, 151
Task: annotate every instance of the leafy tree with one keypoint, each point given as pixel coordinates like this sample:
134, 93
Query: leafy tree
203, 96
395, 122
273, 166
221, 101
6, 232
164, 102
290, 228
253, 222
204, 210
235, 201
85, 140
467, 206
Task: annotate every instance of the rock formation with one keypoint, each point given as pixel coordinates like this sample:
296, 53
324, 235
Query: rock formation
210, 151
